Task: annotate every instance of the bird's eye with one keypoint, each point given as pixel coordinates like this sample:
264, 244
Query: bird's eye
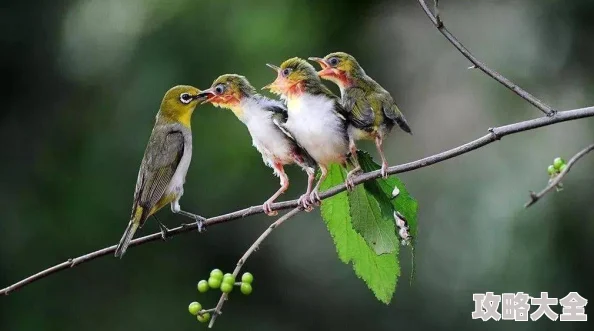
219, 89
333, 61
185, 98
286, 72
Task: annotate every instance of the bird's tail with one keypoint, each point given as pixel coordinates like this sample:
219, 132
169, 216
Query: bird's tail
402, 123
126, 238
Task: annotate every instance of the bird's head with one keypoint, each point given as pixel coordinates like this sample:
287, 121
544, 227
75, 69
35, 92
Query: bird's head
294, 77
339, 67
179, 103
228, 90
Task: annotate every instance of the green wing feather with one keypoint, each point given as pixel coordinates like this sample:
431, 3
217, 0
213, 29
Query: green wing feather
361, 110
392, 112
161, 159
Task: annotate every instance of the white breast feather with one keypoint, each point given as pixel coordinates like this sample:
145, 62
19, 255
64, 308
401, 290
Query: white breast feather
317, 128
266, 136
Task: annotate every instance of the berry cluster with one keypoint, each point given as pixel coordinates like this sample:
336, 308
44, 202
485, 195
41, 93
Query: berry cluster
557, 167
224, 282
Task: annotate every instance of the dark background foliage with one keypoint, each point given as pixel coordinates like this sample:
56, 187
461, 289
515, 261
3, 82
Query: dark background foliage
83, 81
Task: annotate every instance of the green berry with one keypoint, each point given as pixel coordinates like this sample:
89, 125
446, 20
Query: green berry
214, 282
551, 170
247, 278
203, 318
229, 278
563, 167
226, 287
246, 288
558, 162
194, 308
216, 273
202, 286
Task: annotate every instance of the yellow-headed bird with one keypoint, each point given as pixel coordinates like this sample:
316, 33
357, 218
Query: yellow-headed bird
372, 112
264, 119
316, 119
165, 163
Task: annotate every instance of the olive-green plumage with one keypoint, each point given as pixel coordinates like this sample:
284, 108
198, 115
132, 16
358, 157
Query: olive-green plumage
372, 110
165, 163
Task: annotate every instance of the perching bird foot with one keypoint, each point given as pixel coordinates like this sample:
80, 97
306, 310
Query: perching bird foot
314, 198
349, 183
384, 171
304, 202
200, 223
164, 230
267, 206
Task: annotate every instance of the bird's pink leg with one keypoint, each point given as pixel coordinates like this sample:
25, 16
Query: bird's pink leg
314, 197
380, 150
304, 199
284, 182
349, 179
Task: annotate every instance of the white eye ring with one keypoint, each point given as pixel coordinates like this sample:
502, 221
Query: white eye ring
185, 98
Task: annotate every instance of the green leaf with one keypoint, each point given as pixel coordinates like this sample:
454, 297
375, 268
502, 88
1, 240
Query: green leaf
373, 221
405, 204
380, 272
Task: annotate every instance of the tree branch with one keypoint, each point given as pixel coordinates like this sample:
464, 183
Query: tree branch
437, 21
534, 197
494, 134
246, 255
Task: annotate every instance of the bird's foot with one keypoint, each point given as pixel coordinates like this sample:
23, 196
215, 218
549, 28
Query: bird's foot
200, 223
384, 170
305, 203
164, 231
267, 206
314, 197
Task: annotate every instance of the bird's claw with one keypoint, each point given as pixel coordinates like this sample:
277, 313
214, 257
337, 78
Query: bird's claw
267, 206
349, 183
200, 224
384, 171
305, 203
314, 197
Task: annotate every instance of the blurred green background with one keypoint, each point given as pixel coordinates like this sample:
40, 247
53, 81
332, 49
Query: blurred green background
84, 79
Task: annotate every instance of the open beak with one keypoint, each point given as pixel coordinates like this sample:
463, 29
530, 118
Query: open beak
206, 96
279, 83
327, 70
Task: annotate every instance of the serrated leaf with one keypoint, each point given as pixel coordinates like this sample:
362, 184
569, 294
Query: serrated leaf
404, 203
375, 223
380, 272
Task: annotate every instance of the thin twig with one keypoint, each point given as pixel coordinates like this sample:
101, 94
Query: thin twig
247, 254
438, 22
493, 135
534, 197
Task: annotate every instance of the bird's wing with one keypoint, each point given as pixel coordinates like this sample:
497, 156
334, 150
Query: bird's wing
360, 109
392, 112
161, 159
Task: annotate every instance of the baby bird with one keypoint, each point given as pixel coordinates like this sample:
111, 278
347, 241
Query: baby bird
316, 118
165, 163
264, 119
372, 112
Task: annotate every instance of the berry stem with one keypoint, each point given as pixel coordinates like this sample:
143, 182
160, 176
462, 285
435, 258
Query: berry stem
246, 255
554, 182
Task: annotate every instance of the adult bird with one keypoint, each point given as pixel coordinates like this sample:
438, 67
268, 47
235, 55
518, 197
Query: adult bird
264, 119
165, 163
316, 118
372, 112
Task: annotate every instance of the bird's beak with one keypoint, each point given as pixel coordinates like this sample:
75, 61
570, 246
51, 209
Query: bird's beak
327, 70
206, 96
273, 67
319, 60
200, 97
278, 84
